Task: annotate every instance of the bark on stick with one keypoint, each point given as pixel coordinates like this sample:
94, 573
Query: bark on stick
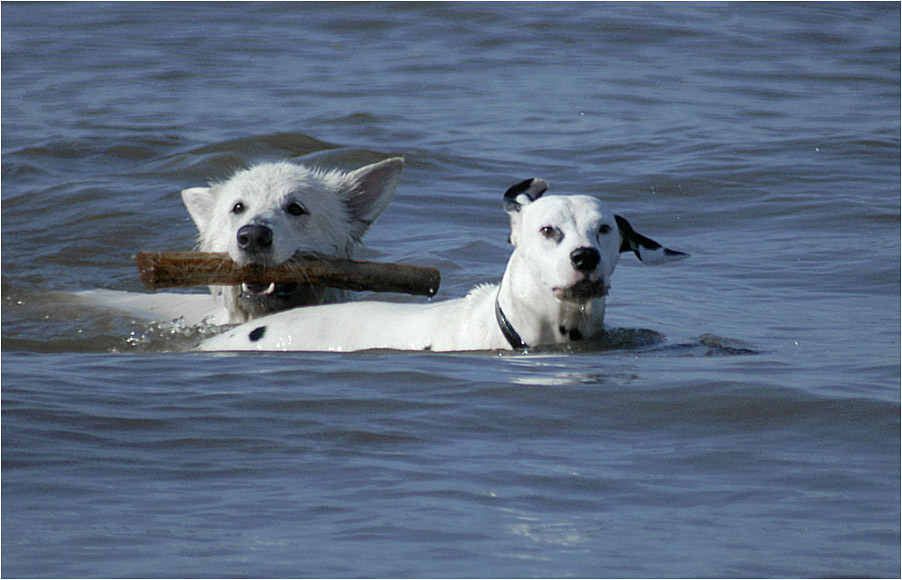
175, 269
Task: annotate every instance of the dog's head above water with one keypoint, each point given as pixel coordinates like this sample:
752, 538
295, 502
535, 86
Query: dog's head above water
267, 213
572, 243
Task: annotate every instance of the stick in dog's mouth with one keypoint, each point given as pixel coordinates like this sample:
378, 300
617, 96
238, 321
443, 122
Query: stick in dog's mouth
303, 271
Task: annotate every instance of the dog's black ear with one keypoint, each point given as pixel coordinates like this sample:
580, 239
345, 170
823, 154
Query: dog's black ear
531, 188
518, 197
647, 250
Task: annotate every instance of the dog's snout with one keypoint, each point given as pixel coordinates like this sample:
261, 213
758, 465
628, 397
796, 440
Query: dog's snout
585, 259
255, 238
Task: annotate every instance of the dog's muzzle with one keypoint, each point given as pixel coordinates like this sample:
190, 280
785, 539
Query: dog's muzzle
584, 260
255, 244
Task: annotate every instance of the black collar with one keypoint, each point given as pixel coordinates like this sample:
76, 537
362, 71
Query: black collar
507, 329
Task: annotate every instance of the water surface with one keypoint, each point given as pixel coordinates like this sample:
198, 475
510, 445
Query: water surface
742, 420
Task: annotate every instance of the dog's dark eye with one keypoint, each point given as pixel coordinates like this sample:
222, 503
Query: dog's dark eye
547, 232
238, 208
605, 229
294, 208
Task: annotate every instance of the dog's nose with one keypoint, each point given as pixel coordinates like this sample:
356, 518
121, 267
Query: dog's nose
585, 259
254, 238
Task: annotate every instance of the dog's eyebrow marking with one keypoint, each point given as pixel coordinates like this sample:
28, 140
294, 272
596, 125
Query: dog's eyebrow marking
257, 333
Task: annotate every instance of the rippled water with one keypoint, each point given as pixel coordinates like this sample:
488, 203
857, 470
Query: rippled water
741, 420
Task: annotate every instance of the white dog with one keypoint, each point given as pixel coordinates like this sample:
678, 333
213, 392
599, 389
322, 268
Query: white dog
565, 250
264, 215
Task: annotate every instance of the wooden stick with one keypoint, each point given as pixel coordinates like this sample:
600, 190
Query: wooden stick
172, 269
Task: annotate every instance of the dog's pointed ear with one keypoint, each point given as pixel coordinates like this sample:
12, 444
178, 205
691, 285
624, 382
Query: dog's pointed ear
647, 250
201, 202
369, 191
524, 193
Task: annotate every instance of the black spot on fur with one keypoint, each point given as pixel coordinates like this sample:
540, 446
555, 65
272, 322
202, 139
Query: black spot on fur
257, 333
574, 334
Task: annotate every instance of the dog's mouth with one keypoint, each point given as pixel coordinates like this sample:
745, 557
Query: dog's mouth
585, 289
255, 289
261, 299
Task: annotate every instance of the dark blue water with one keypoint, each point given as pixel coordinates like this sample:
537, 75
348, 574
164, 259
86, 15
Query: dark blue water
742, 421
